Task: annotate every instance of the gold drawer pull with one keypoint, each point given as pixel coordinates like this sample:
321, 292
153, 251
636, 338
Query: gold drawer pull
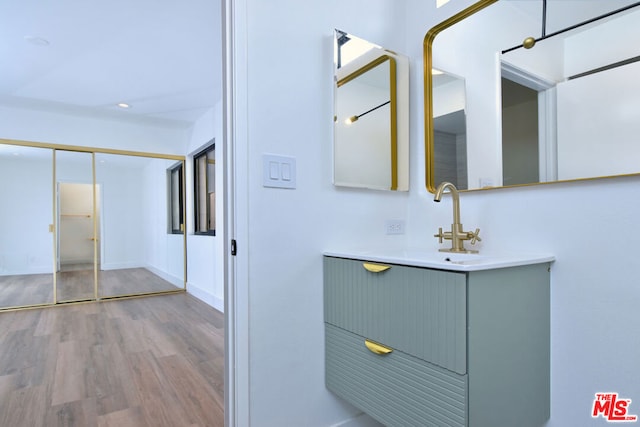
375, 268
377, 348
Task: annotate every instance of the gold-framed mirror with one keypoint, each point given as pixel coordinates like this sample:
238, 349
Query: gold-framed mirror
371, 100
564, 109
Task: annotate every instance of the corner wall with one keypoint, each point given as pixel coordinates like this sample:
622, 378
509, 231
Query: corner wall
289, 62
591, 227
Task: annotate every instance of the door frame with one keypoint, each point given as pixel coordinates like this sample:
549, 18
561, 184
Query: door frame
237, 409
547, 118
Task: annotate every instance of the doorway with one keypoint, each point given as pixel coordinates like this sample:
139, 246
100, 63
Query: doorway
77, 240
520, 139
529, 139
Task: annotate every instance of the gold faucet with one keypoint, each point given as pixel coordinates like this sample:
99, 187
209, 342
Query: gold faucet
456, 235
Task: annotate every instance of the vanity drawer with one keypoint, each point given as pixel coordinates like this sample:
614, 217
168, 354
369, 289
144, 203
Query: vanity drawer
396, 389
419, 311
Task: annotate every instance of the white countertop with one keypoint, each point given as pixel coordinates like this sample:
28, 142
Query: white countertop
443, 260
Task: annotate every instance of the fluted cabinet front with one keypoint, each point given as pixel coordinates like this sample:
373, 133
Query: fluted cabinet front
414, 346
418, 311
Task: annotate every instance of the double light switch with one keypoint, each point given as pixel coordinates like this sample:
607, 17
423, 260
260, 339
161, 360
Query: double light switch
278, 171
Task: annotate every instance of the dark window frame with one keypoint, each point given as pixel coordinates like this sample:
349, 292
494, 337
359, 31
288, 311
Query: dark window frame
174, 171
208, 153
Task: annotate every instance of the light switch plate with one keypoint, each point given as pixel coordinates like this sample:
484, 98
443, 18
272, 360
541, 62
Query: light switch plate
278, 171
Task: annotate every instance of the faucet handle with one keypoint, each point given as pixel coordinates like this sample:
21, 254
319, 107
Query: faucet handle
440, 235
474, 236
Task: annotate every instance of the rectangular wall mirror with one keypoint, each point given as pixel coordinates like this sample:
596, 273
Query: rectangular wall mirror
371, 131
551, 92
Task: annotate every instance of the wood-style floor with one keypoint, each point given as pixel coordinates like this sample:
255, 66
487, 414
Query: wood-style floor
153, 361
78, 285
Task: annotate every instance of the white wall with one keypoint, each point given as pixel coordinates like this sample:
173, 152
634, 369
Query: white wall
362, 152
598, 124
591, 227
290, 112
26, 210
205, 275
122, 201
594, 287
164, 252
58, 128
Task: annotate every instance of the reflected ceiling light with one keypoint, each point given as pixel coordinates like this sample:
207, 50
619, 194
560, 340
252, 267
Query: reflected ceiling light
123, 105
441, 2
353, 119
436, 72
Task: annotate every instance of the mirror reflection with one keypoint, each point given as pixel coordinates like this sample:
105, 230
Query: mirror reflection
77, 223
449, 129
563, 108
138, 254
370, 117
85, 226
26, 225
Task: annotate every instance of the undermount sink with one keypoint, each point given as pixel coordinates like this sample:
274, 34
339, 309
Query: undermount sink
444, 260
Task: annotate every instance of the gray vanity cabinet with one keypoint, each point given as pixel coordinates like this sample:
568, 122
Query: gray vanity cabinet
415, 346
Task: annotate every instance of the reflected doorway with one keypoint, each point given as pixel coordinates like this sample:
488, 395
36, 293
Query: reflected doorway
520, 139
77, 225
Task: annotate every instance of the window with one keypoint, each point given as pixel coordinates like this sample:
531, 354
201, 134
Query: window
175, 196
204, 166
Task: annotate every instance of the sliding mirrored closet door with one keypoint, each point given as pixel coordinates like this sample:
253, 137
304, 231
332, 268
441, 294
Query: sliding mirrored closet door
140, 254
77, 227
26, 226
81, 224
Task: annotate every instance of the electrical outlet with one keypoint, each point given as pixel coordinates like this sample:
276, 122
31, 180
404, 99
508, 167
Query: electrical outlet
394, 226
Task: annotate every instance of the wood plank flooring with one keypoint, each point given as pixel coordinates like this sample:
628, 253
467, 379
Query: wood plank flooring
77, 285
153, 361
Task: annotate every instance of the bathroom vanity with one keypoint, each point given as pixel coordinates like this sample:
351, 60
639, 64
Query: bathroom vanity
440, 339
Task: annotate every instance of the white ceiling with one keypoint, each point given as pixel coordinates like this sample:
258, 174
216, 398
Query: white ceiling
163, 57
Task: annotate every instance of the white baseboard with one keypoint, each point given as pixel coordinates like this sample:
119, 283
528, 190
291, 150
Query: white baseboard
206, 297
121, 265
176, 281
34, 270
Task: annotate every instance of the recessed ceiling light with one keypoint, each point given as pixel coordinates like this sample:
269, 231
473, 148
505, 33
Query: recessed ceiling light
124, 105
37, 41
